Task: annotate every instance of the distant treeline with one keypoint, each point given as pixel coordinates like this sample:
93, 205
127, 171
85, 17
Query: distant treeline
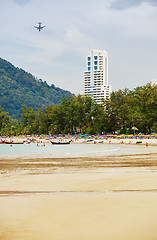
81, 114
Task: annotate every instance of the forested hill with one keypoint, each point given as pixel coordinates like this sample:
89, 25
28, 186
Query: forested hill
18, 87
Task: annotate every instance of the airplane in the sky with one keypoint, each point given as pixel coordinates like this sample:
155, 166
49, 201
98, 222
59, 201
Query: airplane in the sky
39, 28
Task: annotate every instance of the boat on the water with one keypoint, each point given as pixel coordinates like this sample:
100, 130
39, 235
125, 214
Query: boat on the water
60, 143
10, 142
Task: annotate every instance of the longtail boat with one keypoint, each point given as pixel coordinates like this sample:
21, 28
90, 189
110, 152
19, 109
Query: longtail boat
10, 142
60, 143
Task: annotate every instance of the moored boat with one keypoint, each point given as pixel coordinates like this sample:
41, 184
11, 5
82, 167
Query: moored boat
61, 143
10, 142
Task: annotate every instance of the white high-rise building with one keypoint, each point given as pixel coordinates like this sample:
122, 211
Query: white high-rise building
96, 76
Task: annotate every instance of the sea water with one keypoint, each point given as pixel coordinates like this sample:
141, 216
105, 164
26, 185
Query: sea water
70, 150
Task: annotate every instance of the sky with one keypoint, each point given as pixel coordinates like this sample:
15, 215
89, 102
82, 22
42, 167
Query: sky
126, 29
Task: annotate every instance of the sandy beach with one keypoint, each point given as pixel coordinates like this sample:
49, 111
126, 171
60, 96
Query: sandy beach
110, 197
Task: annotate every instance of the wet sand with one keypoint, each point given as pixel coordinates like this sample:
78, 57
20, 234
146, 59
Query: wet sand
111, 198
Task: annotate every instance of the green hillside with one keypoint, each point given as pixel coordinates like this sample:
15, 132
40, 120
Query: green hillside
18, 87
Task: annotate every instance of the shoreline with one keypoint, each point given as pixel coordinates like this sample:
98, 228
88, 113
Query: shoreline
149, 141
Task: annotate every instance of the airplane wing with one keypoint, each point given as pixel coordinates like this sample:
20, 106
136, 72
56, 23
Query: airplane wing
36, 27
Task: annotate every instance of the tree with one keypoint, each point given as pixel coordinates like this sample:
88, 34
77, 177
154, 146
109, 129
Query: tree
117, 111
144, 107
29, 120
46, 119
5, 122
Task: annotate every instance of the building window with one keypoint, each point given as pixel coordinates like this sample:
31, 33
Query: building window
88, 63
88, 68
96, 62
88, 58
95, 67
95, 57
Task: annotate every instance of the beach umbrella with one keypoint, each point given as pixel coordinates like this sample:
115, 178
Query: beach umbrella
134, 129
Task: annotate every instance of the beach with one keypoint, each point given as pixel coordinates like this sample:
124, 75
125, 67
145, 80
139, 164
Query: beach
105, 197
